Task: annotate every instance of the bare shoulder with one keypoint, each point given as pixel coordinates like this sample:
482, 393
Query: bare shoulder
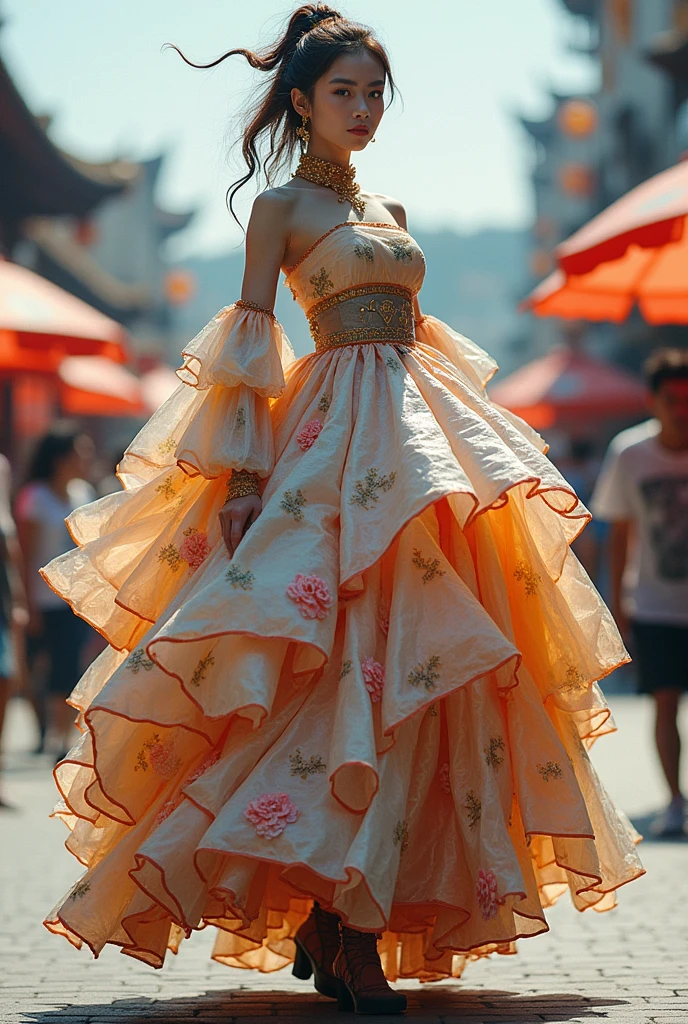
393, 207
272, 207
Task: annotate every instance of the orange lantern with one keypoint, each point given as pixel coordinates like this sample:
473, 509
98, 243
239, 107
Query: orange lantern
576, 180
578, 118
180, 286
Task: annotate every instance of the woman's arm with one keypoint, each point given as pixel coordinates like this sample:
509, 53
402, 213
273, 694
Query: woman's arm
267, 238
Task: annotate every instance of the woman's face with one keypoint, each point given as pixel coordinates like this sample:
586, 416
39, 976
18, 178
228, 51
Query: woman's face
347, 102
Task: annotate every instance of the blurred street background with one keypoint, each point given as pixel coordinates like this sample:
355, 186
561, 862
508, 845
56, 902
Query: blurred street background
521, 124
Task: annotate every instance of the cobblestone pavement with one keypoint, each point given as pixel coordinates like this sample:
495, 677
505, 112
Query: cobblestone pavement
628, 966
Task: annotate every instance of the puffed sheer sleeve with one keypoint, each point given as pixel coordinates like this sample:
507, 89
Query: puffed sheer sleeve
218, 419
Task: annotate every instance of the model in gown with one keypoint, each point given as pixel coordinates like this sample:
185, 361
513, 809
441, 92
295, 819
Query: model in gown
345, 711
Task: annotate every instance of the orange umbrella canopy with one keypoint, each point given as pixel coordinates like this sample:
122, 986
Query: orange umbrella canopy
43, 316
95, 386
636, 251
567, 383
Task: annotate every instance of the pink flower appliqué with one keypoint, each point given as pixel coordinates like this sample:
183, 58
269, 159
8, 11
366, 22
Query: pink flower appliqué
163, 759
309, 434
195, 548
444, 777
311, 595
486, 891
271, 813
374, 678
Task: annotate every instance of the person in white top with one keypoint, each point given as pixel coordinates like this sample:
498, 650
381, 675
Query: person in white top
54, 488
643, 491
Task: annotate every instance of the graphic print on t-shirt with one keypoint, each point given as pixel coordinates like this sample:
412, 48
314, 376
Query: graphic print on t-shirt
666, 502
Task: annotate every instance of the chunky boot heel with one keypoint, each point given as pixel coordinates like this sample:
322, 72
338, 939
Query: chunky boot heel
345, 1000
317, 944
302, 966
361, 983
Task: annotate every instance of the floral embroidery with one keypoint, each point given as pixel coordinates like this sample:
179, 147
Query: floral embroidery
493, 757
427, 673
293, 504
325, 402
431, 568
243, 578
445, 784
383, 621
167, 446
80, 890
200, 670
531, 579
240, 418
311, 595
346, 668
159, 756
194, 548
374, 678
170, 555
401, 249
207, 762
364, 251
138, 660
387, 310
166, 488
432, 711
392, 363
308, 436
473, 808
165, 811
298, 765
271, 813
486, 891
551, 770
574, 681
321, 284
401, 835
365, 490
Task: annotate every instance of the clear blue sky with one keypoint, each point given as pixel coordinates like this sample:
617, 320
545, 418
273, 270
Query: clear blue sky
452, 152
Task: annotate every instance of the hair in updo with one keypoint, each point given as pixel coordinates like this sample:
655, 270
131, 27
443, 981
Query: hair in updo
315, 37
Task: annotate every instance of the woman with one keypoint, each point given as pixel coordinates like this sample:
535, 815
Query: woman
372, 717
54, 488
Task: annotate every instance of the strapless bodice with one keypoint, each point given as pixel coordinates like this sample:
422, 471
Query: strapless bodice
356, 283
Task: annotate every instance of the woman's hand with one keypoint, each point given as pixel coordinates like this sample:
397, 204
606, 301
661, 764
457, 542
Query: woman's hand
236, 516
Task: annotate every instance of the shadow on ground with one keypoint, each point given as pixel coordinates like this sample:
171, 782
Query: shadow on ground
642, 824
445, 1004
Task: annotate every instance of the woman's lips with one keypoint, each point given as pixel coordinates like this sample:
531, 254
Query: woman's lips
358, 131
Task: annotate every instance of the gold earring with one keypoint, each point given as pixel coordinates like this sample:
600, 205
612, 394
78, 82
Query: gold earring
303, 132
373, 139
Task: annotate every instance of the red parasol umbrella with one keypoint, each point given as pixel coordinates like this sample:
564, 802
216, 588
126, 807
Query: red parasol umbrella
567, 383
95, 386
43, 316
636, 251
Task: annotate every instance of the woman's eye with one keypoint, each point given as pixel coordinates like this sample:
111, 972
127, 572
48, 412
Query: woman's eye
376, 94
341, 92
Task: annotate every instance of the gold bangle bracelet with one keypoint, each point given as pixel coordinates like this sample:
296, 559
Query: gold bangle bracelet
242, 483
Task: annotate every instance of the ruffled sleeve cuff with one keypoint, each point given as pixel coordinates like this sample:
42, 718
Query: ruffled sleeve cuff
240, 345
218, 419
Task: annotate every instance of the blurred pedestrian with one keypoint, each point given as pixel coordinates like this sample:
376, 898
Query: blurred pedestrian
13, 611
643, 491
56, 637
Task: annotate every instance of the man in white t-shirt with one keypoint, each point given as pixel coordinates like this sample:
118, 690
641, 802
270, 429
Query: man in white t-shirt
643, 491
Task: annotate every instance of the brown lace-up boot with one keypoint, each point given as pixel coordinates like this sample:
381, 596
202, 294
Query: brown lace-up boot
317, 944
361, 984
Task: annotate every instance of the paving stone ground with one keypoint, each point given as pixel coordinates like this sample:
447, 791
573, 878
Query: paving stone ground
629, 966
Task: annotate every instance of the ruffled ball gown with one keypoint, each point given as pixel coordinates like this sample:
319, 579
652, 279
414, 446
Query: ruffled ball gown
385, 700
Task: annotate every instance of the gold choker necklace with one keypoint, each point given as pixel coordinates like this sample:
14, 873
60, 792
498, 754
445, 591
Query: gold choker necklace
340, 179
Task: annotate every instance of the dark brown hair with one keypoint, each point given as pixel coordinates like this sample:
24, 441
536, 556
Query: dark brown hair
314, 38
665, 364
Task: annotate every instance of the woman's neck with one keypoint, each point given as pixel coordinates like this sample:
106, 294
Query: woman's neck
326, 151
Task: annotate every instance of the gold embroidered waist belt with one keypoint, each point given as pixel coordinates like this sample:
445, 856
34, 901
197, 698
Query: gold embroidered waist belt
367, 313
